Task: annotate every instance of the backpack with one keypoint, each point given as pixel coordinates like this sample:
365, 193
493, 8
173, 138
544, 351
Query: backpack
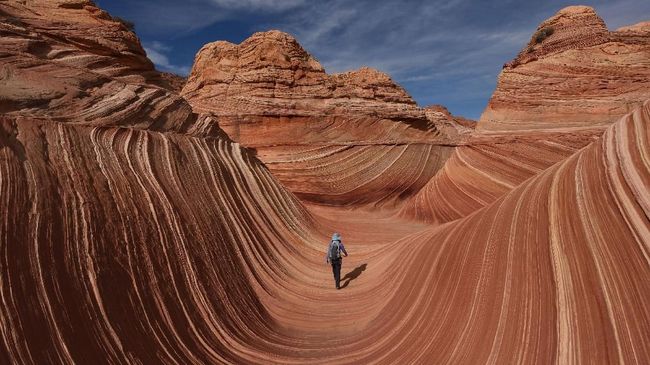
335, 251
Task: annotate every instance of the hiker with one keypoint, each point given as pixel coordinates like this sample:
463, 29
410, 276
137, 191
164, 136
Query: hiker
334, 257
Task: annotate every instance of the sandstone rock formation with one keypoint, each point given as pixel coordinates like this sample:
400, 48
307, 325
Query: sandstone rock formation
580, 76
344, 139
134, 231
454, 130
85, 38
553, 99
549, 263
174, 82
271, 75
117, 203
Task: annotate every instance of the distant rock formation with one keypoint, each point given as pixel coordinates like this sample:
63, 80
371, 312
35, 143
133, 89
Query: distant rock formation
320, 134
574, 73
556, 97
453, 129
271, 75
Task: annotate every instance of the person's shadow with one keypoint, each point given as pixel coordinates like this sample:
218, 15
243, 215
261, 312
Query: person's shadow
353, 275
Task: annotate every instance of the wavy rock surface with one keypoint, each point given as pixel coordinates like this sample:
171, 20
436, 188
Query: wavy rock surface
124, 215
134, 231
552, 272
350, 138
488, 167
581, 75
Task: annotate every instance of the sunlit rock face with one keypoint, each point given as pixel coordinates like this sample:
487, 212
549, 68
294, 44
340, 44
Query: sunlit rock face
345, 139
133, 230
574, 73
77, 34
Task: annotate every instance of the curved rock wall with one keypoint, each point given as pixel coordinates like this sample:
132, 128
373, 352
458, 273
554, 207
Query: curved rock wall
552, 100
134, 231
552, 272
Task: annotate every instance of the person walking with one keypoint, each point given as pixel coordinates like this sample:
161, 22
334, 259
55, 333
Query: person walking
334, 257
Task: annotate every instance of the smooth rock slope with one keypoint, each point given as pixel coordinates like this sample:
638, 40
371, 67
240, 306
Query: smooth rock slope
134, 230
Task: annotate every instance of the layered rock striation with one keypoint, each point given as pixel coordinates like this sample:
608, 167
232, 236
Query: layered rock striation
135, 231
271, 75
574, 73
84, 37
350, 138
553, 99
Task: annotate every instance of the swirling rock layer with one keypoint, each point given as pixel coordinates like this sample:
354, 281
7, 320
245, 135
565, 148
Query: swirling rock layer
134, 231
269, 94
488, 167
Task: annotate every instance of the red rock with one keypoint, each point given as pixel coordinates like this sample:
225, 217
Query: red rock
580, 76
549, 102
135, 231
269, 94
175, 82
85, 37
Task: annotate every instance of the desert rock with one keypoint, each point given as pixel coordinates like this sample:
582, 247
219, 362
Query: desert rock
553, 99
579, 76
345, 139
135, 231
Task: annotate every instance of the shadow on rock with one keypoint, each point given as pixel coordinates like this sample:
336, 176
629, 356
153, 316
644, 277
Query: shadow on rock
353, 275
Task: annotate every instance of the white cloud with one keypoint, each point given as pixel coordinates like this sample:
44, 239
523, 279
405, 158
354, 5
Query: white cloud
159, 46
155, 51
438, 49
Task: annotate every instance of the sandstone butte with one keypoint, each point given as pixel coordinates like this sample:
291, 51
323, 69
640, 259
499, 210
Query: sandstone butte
141, 225
354, 138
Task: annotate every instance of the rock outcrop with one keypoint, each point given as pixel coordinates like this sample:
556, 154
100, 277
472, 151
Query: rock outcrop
174, 82
345, 139
574, 73
555, 98
85, 37
271, 75
454, 130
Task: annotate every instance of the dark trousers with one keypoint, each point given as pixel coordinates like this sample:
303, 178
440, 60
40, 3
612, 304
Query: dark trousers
336, 270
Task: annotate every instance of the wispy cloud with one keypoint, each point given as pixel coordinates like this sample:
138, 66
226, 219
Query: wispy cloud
166, 17
156, 53
440, 51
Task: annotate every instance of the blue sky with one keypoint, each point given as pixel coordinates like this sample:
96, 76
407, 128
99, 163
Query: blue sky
443, 52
